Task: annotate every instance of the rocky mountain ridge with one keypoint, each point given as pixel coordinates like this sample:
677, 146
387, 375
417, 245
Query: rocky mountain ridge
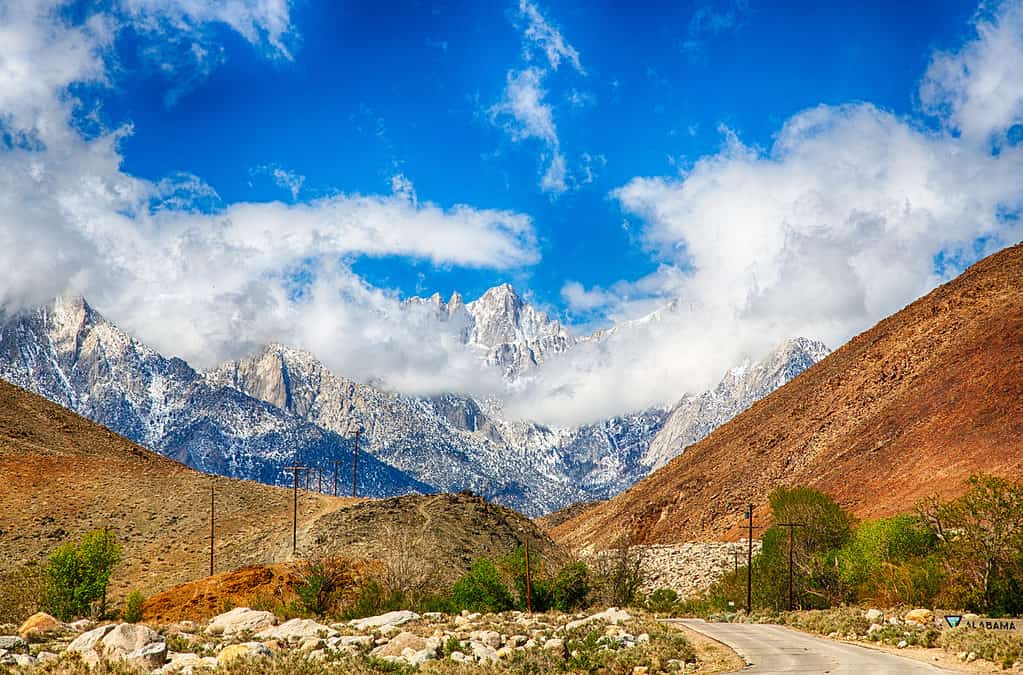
249, 417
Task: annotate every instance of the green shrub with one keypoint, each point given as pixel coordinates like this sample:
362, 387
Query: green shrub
372, 599
662, 600
77, 575
323, 580
132, 612
1004, 649
571, 588
482, 590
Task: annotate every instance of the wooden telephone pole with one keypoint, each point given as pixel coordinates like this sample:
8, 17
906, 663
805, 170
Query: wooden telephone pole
336, 463
355, 461
791, 526
295, 468
749, 561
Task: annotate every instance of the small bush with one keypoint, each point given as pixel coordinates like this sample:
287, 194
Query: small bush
132, 612
77, 576
662, 600
1004, 649
22, 592
482, 590
371, 599
571, 587
323, 579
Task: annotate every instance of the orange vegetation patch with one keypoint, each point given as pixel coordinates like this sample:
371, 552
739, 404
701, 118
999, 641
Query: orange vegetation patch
260, 586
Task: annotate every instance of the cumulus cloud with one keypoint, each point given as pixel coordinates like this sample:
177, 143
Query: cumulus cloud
173, 264
978, 90
851, 214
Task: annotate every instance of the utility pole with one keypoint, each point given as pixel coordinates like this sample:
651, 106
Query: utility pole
295, 468
529, 588
355, 461
791, 526
336, 462
319, 471
212, 530
749, 561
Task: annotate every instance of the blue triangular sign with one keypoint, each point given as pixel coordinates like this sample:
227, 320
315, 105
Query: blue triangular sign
953, 619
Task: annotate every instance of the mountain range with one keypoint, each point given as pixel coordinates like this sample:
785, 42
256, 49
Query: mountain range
250, 417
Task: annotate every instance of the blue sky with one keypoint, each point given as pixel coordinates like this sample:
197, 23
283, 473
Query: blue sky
376, 89
217, 176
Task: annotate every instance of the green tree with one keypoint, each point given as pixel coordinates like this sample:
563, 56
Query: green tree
981, 535
482, 590
885, 560
77, 575
823, 528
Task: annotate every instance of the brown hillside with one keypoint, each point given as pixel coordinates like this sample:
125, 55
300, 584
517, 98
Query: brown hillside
62, 475
907, 409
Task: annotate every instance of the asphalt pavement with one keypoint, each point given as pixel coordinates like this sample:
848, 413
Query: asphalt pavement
776, 649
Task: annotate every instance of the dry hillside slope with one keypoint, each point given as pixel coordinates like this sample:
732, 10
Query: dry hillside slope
62, 475
907, 409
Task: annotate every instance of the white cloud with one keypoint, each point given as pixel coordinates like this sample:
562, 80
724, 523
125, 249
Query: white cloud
258, 21
523, 111
195, 277
540, 34
978, 90
286, 179
844, 220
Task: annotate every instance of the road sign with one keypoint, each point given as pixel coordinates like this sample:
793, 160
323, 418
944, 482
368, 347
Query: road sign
953, 619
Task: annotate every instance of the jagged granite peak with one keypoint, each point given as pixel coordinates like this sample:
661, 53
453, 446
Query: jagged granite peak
695, 416
69, 353
507, 332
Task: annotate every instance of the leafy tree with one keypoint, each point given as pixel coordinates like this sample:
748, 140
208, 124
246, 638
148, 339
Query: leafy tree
981, 535
885, 560
823, 528
482, 590
571, 587
77, 575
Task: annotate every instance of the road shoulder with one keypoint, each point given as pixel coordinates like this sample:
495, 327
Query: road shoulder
714, 656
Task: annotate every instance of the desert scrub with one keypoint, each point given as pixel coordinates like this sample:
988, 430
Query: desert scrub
21, 593
1003, 649
913, 634
846, 621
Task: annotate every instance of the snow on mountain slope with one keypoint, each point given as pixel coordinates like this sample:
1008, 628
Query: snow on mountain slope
70, 354
694, 417
248, 417
504, 330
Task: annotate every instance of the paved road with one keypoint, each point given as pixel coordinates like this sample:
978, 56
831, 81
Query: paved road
776, 649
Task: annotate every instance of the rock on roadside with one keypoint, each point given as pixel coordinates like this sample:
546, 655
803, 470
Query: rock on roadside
239, 620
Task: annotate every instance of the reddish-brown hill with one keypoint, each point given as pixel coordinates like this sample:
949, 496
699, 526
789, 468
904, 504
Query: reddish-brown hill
907, 409
62, 475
